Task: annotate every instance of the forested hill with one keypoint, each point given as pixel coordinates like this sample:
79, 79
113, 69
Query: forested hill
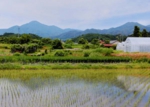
89, 37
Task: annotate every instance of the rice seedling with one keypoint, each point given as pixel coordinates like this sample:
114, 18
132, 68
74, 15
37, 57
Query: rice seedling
74, 88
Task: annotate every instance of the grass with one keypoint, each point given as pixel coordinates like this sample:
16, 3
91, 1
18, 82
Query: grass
91, 74
42, 65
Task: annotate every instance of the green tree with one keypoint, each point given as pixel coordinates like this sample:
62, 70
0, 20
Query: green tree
69, 41
144, 33
95, 42
82, 41
46, 40
57, 44
25, 38
107, 41
136, 32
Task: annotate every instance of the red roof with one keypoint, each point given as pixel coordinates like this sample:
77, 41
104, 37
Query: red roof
108, 45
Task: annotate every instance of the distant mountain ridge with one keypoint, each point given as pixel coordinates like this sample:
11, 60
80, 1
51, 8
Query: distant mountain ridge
125, 29
43, 30
37, 28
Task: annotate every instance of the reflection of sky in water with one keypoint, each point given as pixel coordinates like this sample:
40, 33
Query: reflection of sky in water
38, 92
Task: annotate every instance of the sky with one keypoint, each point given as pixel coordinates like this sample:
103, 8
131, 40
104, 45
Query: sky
76, 14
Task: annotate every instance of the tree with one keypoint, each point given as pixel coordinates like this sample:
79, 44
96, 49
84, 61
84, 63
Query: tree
25, 38
107, 41
136, 32
144, 33
82, 41
57, 44
46, 40
95, 42
69, 41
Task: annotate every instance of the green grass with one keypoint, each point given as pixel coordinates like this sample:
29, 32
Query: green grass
50, 66
92, 74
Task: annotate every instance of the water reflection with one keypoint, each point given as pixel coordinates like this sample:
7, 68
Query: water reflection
51, 92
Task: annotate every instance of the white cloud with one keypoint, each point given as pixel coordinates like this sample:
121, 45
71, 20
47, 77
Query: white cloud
68, 13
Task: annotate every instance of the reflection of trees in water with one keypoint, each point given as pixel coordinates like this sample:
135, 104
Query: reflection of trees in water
132, 83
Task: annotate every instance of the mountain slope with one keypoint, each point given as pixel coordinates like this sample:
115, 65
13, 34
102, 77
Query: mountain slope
37, 28
125, 29
43, 30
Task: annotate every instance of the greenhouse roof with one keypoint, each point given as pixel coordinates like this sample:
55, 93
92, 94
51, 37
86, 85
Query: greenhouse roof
138, 40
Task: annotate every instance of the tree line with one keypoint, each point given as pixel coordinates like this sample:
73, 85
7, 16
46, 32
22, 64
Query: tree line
138, 33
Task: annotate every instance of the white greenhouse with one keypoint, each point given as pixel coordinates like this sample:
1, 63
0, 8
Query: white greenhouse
121, 46
137, 44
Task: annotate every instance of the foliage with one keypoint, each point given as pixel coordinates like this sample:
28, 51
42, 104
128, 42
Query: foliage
82, 41
144, 33
86, 54
105, 51
68, 46
136, 32
95, 41
12, 38
17, 48
107, 41
31, 48
24, 48
17, 54
46, 41
69, 41
60, 53
86, 46
57, 44
90, 36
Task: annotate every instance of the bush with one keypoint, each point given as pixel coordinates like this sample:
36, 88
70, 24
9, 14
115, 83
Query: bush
86, 46
68, 46
17, 48
57, 44
105, 51
86, 54
17, 54
46, 52
31, 48
59, 53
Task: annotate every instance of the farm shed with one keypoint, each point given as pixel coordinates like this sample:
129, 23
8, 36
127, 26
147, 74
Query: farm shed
137, 44
120, 46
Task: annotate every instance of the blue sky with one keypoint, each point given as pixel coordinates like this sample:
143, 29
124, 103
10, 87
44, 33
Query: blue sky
78, 14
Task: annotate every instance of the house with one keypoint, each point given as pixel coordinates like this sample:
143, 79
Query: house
111, 44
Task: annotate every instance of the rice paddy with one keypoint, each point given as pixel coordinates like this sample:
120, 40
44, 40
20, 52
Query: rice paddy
75, 88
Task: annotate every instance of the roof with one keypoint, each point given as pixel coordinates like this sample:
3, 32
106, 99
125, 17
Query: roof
138, 40
108, 45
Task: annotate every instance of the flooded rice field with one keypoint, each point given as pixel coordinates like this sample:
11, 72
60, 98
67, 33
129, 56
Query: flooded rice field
121, 91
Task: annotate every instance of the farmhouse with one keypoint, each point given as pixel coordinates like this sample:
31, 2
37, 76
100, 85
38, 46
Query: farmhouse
136, 44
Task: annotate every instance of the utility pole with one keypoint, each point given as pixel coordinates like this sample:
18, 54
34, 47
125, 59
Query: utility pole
18, 31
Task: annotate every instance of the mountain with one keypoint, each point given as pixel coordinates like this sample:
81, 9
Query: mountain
43, 30
37, 28
125, 29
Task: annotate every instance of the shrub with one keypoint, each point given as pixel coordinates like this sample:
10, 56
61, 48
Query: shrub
86, 54
105, 51
68, 52
57, 44
46, 52
59, 53
68, 46
86, 46
31, 48
17, 48
17, 54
